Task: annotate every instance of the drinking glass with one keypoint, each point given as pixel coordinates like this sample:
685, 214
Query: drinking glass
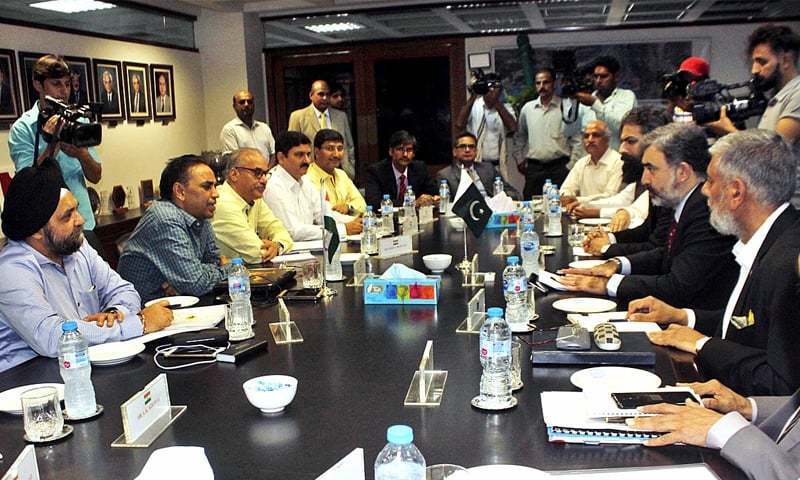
42, 413
239, 321
516, 365
575, 235
531, 303
312, 274
446, 471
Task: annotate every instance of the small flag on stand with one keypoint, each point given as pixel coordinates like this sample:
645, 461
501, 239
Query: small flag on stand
330, 237
471, 207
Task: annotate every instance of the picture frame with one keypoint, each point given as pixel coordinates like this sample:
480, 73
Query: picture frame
10, 104
480, 60
137, 83
27, 60
81, 80
108, 89
163, 81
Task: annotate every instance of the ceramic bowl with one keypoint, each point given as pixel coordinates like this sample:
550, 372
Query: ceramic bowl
270, 393
436, 263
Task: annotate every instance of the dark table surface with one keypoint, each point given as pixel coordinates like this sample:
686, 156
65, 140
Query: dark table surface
354, 368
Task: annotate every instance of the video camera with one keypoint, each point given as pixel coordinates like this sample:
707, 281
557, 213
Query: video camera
575, 81
483, 82
709, 96
72, 130
677, 84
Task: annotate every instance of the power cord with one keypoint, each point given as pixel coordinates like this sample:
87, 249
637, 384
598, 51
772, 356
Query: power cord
191, 350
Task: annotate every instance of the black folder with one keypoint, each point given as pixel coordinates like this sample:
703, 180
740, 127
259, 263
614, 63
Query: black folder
636, 349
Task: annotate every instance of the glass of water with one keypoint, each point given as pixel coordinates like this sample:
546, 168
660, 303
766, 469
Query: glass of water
516, 365
42, 413
312, 274
575, 234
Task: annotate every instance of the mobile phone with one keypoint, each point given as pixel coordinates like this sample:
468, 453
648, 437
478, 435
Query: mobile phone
632, 400
303, 294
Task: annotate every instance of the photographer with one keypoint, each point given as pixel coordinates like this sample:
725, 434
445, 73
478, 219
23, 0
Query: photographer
28, 138
677, 86
608, 102
490, 120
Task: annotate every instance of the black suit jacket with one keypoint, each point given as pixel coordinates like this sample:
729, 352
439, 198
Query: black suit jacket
699, 273
142, 107
6, 105
647, 236
761, 359
381, 180
486, 172
113, 105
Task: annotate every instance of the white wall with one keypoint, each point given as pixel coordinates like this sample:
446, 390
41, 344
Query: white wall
129, 153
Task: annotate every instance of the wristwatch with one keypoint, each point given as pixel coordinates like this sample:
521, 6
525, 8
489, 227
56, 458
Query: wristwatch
618, 262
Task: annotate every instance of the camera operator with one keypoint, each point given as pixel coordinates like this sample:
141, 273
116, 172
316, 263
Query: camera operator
28, 144
608, 102
677, 86
489, 119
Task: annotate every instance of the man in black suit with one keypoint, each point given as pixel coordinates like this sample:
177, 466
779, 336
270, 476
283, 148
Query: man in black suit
482, 174
695, 268
109, 95
394, 175
6, 103
749, 343
77, 95
137, 95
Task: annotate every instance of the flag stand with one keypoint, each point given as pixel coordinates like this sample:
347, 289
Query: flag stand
465, 265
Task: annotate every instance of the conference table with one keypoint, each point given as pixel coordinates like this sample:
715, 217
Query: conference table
354, 368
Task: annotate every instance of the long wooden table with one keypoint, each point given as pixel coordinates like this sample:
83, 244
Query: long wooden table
354, 368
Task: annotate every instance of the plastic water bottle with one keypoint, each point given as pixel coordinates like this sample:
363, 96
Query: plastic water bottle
400, 459
554, 213
526, 217
387, 214
498, 186
409, 211
515, 290
369, 237
495, 355
238, 281
73, 360
444, 197
546, 189
529, 249
411, 195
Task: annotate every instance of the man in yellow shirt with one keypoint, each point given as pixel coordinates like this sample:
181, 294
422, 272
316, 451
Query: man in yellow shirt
244, 226
339, 189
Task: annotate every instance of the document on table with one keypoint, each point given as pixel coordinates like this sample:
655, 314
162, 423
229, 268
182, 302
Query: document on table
551, 280
310, 245
618, 318
293, 257
351, 467
697, 471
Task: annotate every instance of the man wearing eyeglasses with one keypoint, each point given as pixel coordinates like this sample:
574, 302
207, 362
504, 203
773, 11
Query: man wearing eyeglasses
244, 226
326, 172
483, 174
246, 132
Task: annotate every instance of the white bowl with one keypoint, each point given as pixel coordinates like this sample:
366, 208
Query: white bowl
437, 262
270, 393
456, 223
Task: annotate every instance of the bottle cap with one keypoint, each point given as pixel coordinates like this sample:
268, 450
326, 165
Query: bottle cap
496, 178
237, 261
495, 312
386, 196
369, 208
69, 326
400, 434
513, 260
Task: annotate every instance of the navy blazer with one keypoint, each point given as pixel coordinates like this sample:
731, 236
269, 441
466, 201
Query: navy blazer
381, 180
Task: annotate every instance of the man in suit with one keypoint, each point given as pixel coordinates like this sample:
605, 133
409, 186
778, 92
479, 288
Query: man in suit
317, 116
757, 434
695, 268
109, 95
748, 343
394, 175
483, 174
6, 102
77, 95
163, 101
137, 95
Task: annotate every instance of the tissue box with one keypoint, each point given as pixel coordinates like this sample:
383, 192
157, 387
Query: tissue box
503, 220
411, 291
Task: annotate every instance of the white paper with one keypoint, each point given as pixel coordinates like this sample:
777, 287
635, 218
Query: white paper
25, 466
693, 471
177, 463
312, 245
399, 271
293, 257
351, 467
551, 280
501, 203
591, 320
205, 317
580, 252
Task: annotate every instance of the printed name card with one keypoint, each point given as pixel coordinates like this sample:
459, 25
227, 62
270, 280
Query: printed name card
283, 312
389, 247
426, 215
145, 408
25, 466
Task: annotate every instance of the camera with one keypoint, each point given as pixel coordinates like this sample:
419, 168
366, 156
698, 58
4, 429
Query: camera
72, 130
484, 81
573, 83
709, 96
677, 84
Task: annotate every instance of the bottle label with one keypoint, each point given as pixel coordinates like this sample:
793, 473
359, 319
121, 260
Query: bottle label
495, 349
75, 359
529, 246
516, 285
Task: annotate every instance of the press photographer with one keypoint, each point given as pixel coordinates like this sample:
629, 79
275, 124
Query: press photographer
28, 141
676, 87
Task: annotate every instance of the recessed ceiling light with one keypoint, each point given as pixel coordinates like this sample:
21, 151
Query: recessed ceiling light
334, 27
73, 6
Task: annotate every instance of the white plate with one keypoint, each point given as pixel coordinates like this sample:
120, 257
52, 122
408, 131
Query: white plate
595, 221
586, 263
205, 317
179, 301
506, 472
114, 353
10, 399
615, 379
348, 258
584, 305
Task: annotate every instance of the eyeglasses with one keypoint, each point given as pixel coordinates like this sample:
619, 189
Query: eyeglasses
404, 149
333, 148
256, 172
466, 146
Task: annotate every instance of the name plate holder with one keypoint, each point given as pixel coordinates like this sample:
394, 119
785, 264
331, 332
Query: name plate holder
359, 272
474, 278
506, 246
476, 314
427, 385
426, 215
147, 414
390, 247
285, 330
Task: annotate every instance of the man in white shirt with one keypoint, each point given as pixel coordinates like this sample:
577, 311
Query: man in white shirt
609, 102
246, 132
294, 200
598, 174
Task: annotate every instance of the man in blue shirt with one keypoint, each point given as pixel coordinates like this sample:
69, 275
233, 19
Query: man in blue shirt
172, 250
52, 275
51, 76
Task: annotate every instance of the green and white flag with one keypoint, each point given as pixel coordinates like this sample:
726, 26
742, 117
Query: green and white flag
330, 235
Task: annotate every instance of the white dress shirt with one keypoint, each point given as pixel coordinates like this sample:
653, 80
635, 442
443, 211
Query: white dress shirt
613, 109
298, 206
588, 180
236, 134
637, 208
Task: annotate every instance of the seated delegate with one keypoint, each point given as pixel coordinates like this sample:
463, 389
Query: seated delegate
482, 174
326, 172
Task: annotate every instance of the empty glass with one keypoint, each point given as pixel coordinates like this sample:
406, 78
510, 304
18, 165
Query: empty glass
516, 365
575, 234
312, 274
42, 414
239, 320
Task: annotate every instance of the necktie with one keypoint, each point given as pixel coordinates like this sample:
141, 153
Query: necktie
789, 425
162, 104
673, 232
401, 190
136, 103
323, 120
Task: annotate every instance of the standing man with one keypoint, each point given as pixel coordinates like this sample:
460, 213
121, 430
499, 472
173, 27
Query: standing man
137, 96
28, 146
609, 102
163, 100
246, 132
482, 174
598, 174
109, 96
339, 189
313, 118
541, 143
491, 121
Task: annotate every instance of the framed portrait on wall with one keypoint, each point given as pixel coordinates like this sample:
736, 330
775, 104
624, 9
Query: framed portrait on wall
26, 62
137, 81
81, 80
163, 91
10, 105
109, 90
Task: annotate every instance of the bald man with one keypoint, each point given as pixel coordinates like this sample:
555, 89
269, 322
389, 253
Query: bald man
246, 132
598, 174
315, 117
